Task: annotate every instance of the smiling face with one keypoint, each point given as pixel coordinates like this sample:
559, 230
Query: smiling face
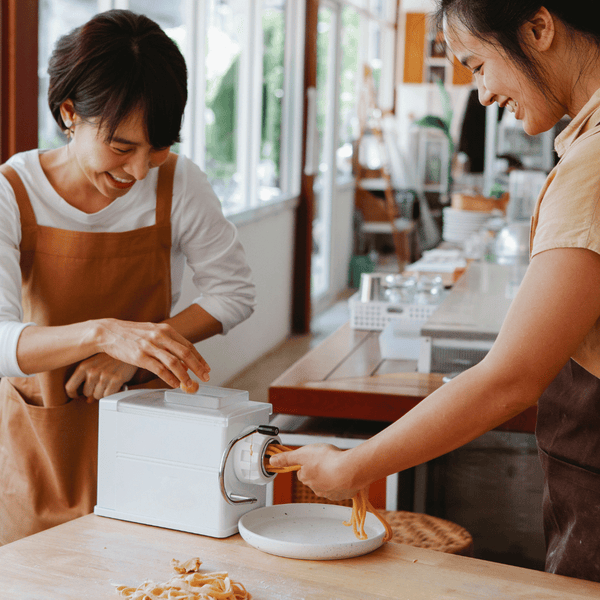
106, 170
500, 80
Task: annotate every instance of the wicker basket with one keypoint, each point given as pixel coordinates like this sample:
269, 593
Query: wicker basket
376, 315
425, 531
302, 493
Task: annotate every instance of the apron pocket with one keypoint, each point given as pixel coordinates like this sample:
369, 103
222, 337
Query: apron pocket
48, 461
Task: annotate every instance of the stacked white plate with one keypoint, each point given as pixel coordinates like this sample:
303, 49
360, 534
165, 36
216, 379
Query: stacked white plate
460, 225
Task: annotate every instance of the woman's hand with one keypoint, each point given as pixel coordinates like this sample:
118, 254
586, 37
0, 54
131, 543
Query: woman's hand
325, 469
99, 376
156, 347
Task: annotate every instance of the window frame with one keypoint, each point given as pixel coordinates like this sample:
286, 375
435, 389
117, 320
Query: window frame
249, 113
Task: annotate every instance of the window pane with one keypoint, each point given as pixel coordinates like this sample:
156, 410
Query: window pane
166, 14
350, 72
269, 170
323, 183
56, 19
375, 52
325, 71
169, 15
378, 8
224, 44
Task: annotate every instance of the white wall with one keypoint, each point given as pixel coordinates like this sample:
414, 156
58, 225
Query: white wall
342, 243
269, 244
342, 214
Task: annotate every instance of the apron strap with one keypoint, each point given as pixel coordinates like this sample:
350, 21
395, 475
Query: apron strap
164, 190
21, 196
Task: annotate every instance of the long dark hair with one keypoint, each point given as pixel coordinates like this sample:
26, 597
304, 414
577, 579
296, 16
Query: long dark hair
114, 64
500, 21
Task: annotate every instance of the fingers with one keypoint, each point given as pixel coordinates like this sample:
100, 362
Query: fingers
178, 355
99, 376
320, 470
183, 349
74, 382
190, 389
285, 459
155, 347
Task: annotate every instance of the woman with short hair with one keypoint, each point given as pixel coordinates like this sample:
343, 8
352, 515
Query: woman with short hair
94, 237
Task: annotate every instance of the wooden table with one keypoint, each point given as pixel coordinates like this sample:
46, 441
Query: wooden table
84, 558
345, 377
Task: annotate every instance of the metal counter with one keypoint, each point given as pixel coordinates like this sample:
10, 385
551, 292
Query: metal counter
476, 306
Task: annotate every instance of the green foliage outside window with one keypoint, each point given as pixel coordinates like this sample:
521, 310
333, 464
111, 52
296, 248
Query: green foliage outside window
222, 100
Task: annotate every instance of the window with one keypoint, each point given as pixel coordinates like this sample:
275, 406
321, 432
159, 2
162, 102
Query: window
349, 85
349, 35
224, 44
243, 121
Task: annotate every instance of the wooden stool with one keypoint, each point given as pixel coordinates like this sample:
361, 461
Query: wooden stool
425, 531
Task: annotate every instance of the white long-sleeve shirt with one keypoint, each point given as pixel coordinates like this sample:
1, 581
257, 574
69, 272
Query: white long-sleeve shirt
200, 235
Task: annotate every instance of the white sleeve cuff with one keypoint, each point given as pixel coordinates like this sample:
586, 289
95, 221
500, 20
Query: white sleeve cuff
10, 331
228, 313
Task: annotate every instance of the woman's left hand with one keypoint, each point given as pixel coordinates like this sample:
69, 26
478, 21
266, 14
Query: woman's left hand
324, 469
99, 376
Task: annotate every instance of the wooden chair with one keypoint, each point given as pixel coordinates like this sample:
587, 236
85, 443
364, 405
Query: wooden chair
380, 216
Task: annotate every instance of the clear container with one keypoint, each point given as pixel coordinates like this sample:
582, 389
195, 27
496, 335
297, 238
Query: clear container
429, 290
399, 289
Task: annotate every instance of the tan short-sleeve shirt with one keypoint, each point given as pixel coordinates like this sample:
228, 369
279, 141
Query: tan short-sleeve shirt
567, 213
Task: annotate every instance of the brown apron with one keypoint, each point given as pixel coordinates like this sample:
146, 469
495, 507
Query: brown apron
48, 443
568, 436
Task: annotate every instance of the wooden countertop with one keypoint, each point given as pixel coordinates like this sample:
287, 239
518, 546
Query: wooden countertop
346, 377
84, 558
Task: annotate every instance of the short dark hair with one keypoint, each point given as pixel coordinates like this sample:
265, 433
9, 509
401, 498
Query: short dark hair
500, 21
114, 64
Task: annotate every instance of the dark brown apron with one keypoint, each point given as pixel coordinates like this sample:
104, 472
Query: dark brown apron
49, 443
568, 436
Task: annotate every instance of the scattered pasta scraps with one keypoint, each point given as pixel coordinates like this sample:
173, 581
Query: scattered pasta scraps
360, 502
189, 566
189, 584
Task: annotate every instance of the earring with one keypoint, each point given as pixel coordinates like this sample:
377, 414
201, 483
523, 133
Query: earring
68, 124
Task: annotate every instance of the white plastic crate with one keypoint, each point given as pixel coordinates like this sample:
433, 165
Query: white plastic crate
375, 315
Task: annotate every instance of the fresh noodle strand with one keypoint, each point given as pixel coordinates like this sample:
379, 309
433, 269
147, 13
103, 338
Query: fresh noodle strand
360, 502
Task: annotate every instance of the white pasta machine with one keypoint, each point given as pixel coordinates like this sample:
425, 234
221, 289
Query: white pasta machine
192, 462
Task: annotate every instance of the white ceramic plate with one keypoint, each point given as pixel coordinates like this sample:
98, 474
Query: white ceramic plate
308, 531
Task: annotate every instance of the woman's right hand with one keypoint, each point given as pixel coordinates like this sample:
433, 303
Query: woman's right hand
156, 347
324, 468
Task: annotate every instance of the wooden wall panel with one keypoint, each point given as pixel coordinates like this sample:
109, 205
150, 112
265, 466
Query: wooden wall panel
19, 77
414, 47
